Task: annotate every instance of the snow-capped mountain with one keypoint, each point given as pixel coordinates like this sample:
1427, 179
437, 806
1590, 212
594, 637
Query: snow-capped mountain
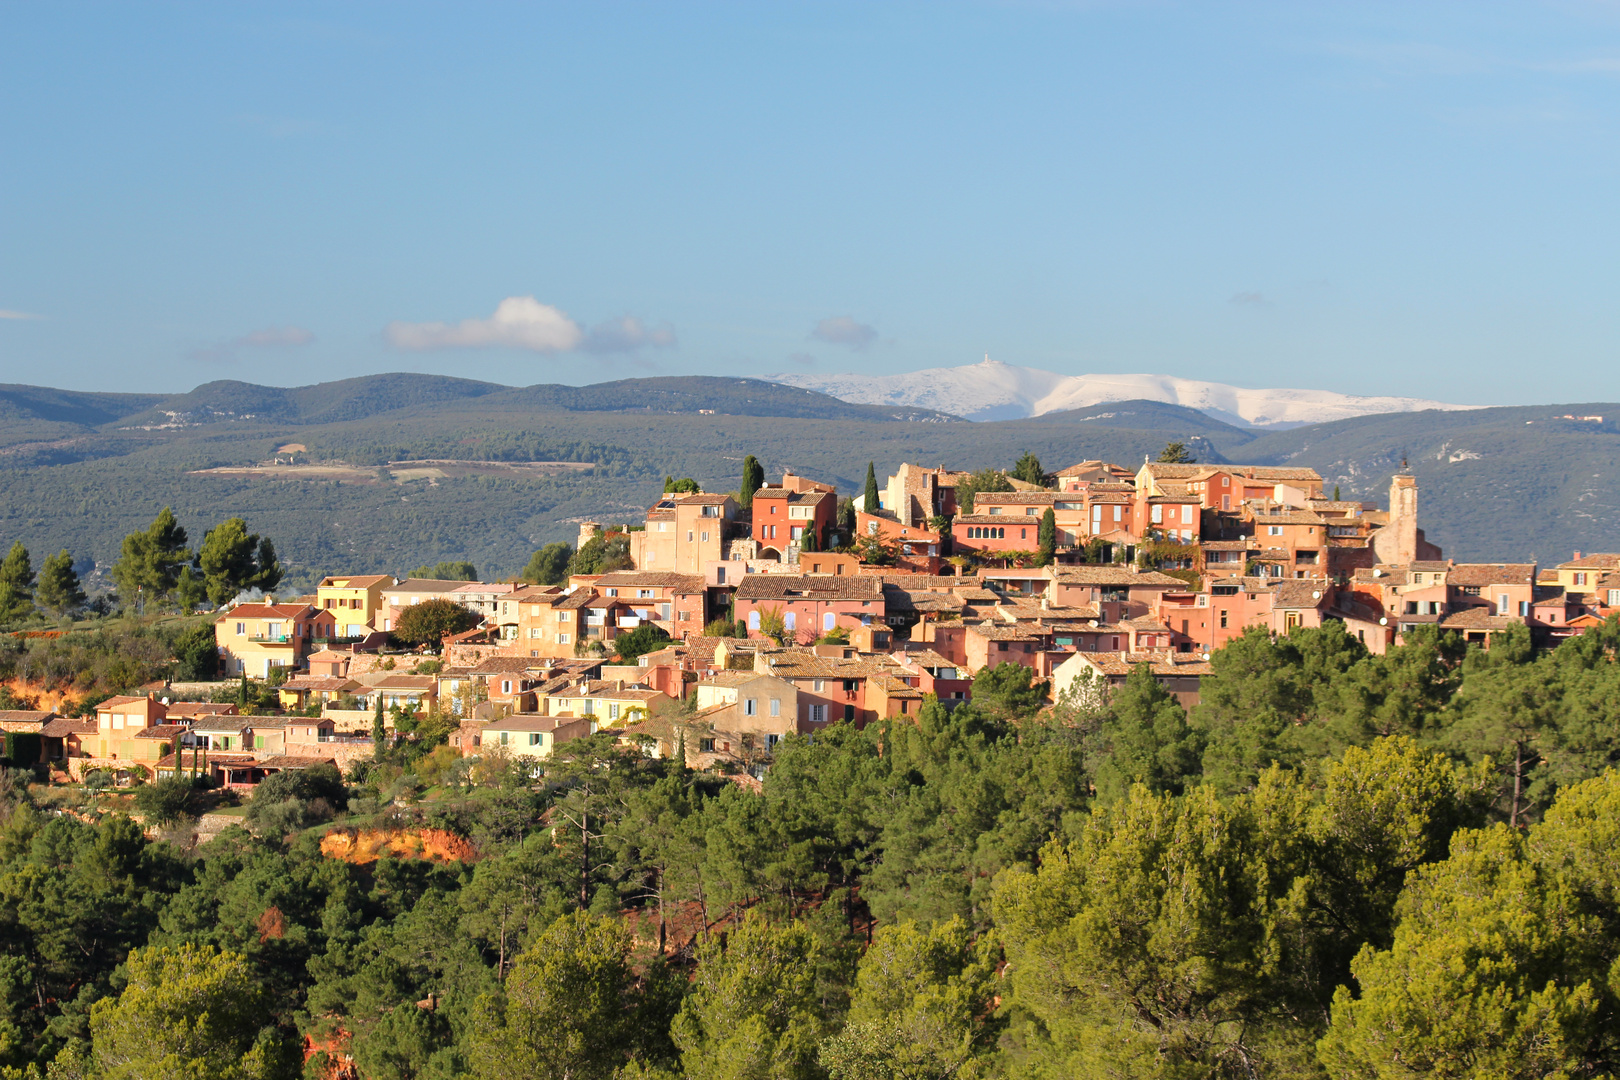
991, 390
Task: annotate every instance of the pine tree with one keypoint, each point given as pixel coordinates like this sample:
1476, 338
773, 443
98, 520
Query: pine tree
1176, 454
16, 584
1028, 469
59, 591
149, 562
231, 560
871, 494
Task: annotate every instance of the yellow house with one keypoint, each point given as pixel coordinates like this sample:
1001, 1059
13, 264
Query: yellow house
132, 729
356, 603
253, 638
525, 735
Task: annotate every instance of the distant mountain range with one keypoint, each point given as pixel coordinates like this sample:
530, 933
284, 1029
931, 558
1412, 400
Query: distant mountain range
991, 390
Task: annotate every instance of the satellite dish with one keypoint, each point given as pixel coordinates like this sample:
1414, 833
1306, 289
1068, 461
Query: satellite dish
1383, 621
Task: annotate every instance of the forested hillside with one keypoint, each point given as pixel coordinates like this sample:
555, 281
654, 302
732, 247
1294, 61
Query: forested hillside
1493, 486
1338, 866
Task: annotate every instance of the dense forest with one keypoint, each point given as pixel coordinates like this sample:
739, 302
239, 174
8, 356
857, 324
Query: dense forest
1337, 865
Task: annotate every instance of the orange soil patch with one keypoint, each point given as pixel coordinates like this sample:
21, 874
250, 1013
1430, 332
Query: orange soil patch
58, 700
362, 846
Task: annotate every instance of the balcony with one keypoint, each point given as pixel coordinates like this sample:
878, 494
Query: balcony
336, 639
276, 639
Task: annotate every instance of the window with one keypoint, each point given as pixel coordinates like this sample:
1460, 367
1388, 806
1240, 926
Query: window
506, 738
771, 739
828, 619
534, 631
753, 620
1023, 534
535, 738
776, 706
1223, 620
506, 686
1226, 502
563, 639
588, 707
562, 616
1580, 579
995, 509
1118, 512
790, 621
818, 714
613, 710
241, 628
1503, 599
719, 572
1524, 609
613, 592
849, 712
1158, 514
644, 594
1273, 530
705, 538
1614, 598
706, 746
819, 685
750, 707
689, 540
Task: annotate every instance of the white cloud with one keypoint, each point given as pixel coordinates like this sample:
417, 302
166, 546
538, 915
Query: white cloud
4, 314
273, 337
519, 322
626, 334
844, 330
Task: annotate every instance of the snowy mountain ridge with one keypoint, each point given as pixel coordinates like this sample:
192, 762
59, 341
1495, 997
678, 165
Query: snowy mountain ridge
991, 390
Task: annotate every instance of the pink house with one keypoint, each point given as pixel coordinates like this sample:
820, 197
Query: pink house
809, 605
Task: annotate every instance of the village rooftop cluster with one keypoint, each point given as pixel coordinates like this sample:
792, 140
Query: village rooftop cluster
1159, 567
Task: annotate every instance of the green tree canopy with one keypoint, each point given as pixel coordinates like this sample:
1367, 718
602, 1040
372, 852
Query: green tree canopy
570, 1007
1176, 453
753, 1012
430, 621
1028, 469
459, 570
549, 565
684, 486
188, 1011
1008, 691
645, 638
983, 480
59, 590
232, 559
1048, 536
753, 478
869, 494
150, 562
16, 584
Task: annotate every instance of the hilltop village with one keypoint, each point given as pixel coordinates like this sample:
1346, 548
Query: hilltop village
738, 619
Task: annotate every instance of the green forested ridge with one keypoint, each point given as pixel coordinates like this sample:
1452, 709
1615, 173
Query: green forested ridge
1492, 486
1312, 875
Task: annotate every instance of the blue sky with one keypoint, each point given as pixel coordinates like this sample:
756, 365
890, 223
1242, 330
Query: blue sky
1396, 198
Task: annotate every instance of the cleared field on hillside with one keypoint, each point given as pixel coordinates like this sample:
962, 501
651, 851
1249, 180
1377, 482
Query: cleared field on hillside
400, 471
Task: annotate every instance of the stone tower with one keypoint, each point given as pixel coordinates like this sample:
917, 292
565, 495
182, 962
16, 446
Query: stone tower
588, 530
1397, 542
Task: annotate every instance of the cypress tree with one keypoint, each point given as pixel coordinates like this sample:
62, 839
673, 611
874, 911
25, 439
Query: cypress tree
753, 478
871, 489
378, 731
